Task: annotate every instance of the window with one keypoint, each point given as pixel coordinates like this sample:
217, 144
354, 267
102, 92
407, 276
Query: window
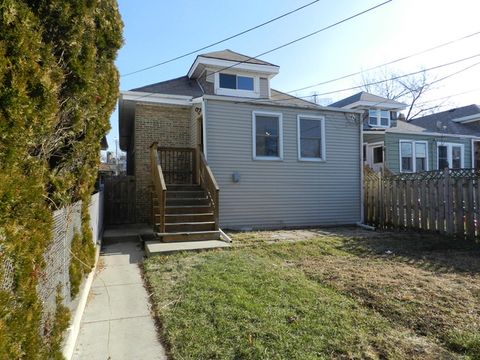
406, 156
236, 82
267, 136
450, 155
420, 156
311, 143
377, 117
378, 155
413, 156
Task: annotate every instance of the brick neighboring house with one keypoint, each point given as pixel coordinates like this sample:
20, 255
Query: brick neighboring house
277, 160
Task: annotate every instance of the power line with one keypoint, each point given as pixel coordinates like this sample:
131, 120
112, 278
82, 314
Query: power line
290, 97
221, 41
304, 37
293, 41
449, 96
400, 76
387, 63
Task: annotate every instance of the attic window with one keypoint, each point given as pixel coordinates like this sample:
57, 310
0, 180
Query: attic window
236, 82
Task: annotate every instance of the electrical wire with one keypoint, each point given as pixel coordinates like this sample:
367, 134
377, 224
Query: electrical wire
387, 63
220, 41
293, 41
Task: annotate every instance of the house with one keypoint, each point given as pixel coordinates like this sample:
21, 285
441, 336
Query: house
235, 153
445, 139
379, 115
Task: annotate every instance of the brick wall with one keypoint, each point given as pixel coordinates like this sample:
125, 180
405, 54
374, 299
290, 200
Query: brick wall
170, 126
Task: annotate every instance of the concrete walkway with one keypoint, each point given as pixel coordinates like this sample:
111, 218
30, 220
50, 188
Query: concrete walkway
117, 322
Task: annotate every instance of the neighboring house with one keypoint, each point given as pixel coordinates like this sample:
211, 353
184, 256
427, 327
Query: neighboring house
379, 115
279, 161
445, 139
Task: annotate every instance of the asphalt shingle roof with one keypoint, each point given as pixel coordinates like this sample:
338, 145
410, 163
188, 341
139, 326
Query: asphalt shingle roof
365, 96
230, 55
179, 86
442, 122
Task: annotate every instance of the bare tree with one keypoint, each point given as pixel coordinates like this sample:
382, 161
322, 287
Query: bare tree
409, 89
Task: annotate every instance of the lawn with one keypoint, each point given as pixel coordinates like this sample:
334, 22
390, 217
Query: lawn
312, 294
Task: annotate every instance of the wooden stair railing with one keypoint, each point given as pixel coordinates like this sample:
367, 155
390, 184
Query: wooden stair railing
208, 182
178, 164
159, 187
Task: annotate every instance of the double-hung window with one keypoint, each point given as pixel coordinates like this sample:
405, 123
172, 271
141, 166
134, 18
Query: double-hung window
311, 138
450, 155
267, 136
377, 117
413, 156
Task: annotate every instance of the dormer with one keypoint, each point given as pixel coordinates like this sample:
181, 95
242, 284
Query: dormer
380, 112
229, 73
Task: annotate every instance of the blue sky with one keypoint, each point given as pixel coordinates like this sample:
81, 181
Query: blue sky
155, 31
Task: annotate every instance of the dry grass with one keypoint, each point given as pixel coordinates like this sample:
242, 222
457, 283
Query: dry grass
346, 293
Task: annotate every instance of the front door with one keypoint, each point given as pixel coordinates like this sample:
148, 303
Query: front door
375, 155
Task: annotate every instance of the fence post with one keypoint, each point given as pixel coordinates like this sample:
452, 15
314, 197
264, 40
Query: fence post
448, 208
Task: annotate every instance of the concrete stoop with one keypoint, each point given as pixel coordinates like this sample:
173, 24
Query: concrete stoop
156, 247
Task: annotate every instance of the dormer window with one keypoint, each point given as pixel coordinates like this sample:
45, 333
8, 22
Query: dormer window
379, 118
236, 82
242, 85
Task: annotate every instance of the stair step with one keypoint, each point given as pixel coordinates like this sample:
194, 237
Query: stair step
188, 209
190, 226
186, 194
183, 187
188, 236
155, 247
172, 218
188, 201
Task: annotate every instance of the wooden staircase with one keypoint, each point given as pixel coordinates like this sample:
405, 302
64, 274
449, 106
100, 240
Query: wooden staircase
189, 215
184, 212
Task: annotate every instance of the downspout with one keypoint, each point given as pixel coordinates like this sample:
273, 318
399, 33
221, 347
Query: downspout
204, 127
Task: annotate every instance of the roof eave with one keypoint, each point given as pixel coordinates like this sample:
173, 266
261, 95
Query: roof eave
270, 70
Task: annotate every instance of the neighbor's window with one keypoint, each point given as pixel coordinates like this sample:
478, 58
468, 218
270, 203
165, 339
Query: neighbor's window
420, 156
450, 155
406, 156
413, 156
377, 117
310, 138
236, 82
267, 129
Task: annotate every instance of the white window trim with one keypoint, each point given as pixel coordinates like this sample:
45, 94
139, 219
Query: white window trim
323, 158
237, 92
449, 153
280, 136
414, 155
379, 119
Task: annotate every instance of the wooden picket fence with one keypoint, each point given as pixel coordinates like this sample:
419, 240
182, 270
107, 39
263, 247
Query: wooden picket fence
445, 201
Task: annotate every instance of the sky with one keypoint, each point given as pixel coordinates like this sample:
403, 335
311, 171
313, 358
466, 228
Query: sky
155, 31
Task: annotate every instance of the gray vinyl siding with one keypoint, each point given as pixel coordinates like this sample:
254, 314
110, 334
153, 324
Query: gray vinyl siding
288, 193
392, 149
264, 88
